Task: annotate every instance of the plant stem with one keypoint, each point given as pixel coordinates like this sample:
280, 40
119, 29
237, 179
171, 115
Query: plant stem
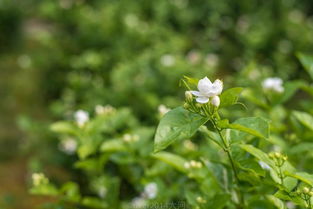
281, 176
226, 149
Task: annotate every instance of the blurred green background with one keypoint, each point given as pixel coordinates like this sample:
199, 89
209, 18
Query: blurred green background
57, 56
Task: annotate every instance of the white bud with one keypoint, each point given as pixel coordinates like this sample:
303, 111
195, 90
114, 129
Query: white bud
188, 95
215, 101
151, 190
81, 117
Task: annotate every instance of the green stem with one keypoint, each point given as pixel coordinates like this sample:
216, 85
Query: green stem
226, 149
281, 176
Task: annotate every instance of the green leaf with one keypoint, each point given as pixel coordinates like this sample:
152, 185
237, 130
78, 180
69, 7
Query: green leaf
255, 126
113, 145
307, 62
305, 118
171, 159
63, 127
177, 124
277, 202
230, 96
302, 176
259, 154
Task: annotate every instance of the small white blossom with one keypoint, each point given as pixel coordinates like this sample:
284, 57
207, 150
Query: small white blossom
207, 89
39, 178
290, 205
104, 110
131, 20
163, 109
193, 57
81, 117
130, 138
167, 60
151, 190
102, 192
192, 164
68, 146
190, 145
215, 101
274, 84
264, 165
138, 202
211, 60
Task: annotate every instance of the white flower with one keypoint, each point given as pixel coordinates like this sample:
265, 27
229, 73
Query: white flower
167, 60
81, 117
264, 165
151, 190
104, 110
216, 101
102, 191
163, 109
193, 57
39, 178
275, 84
212, 60
208, 89
138, 202
290, 205
68, 146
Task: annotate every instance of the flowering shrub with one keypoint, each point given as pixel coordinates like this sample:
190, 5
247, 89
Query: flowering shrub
105, 75
221, 163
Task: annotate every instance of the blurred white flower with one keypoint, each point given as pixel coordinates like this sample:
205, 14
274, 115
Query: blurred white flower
163, 109
102, 192
24, 61
104, 110
207, 89
39, 178
68, 146
130, 138
131, 20
190, 145
81, 117
211, 60
264, 165
274, 84
290, 205
151, 190
193, 57
192, 164
167, 60
138, 202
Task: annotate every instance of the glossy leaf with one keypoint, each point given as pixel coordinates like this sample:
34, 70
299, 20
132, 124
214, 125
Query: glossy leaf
176, 125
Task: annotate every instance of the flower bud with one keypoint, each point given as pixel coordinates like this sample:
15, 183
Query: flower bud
186, 105
199, 105
187, 165
271, 155
199, 165
311, 193
215, 101
277, 155
305, 190
188, 96
285, 158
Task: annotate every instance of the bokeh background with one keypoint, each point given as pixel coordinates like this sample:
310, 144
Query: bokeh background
57, 56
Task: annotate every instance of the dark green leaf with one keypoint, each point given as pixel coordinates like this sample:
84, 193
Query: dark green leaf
177, 124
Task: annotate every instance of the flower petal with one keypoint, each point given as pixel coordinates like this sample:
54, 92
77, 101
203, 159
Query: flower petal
217, 87
204, 84
196, 93
202, 100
